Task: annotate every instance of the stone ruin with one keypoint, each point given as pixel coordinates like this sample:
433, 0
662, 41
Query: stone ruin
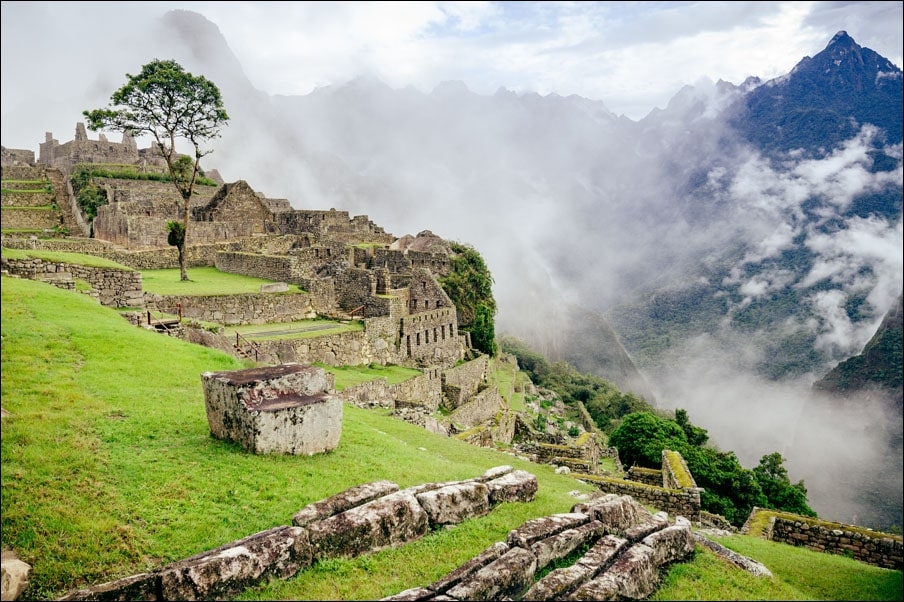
281, 409
359, 520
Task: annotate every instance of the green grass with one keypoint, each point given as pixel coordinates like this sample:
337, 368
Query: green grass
509, 382
109, 469
797, 574
300, 329
349, 376
203, 281
64, 257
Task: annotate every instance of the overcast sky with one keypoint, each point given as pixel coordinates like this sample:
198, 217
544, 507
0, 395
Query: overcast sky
633, 56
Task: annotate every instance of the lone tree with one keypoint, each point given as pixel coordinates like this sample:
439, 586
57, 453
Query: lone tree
168, 103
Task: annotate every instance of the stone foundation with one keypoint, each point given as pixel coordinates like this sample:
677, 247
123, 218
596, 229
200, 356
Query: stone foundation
284, 409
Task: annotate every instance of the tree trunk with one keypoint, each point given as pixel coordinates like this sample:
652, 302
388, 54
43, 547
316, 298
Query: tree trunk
184, 244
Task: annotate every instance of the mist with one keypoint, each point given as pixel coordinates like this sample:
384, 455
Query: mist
567, 202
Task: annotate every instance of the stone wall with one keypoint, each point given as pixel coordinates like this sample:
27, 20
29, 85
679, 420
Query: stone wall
480, 408
685, 502
282, 268
424, 390
32, 218
425, 293
431, 337
359, 520
110, 286
233, 310
626, 549
647, 476
460, 383
872, 547
343, 349
15, 157
23, 195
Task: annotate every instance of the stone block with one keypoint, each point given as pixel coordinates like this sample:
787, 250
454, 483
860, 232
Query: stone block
226, 571
275, 287
454, 503
384, 522
286, 409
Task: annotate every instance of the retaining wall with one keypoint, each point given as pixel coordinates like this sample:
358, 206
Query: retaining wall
112, 287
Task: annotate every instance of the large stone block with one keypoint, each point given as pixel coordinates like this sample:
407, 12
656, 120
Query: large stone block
384, 522
286, 409
224, 572
455, 502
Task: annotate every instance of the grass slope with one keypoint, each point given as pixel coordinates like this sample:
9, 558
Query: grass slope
109, 469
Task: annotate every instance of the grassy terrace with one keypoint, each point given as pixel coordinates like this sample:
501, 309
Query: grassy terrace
303, 329
202, 281
64, 257
109, 469
349, 376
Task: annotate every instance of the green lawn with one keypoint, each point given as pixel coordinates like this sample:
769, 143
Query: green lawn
348, 376
64, 257
301, 329
202, 281
109, 469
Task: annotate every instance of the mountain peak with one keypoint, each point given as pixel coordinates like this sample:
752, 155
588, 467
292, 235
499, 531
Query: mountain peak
841, 38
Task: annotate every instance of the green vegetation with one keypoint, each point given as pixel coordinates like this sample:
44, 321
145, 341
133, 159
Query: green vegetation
510, 382
64, 257
168, 103
681, 475
729, 489
302, 329
205, 281
603, 401
798, 574
109, 469
349, 376
470, 287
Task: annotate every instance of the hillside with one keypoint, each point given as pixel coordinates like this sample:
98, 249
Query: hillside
878, 368
109, 469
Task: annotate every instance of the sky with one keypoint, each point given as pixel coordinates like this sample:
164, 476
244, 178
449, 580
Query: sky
632, 56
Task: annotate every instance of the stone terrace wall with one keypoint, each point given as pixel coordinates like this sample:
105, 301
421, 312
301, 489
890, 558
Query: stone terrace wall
282, 268
872, 547
647, 476
421, 391
233, 310
880, 550
37, 218
461, 382
110, 286
343, 349
359, 520
424, 390
480, 408
685, 502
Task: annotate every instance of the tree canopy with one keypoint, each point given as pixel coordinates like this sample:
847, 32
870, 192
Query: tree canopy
729, 489
169, 104
469, 285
